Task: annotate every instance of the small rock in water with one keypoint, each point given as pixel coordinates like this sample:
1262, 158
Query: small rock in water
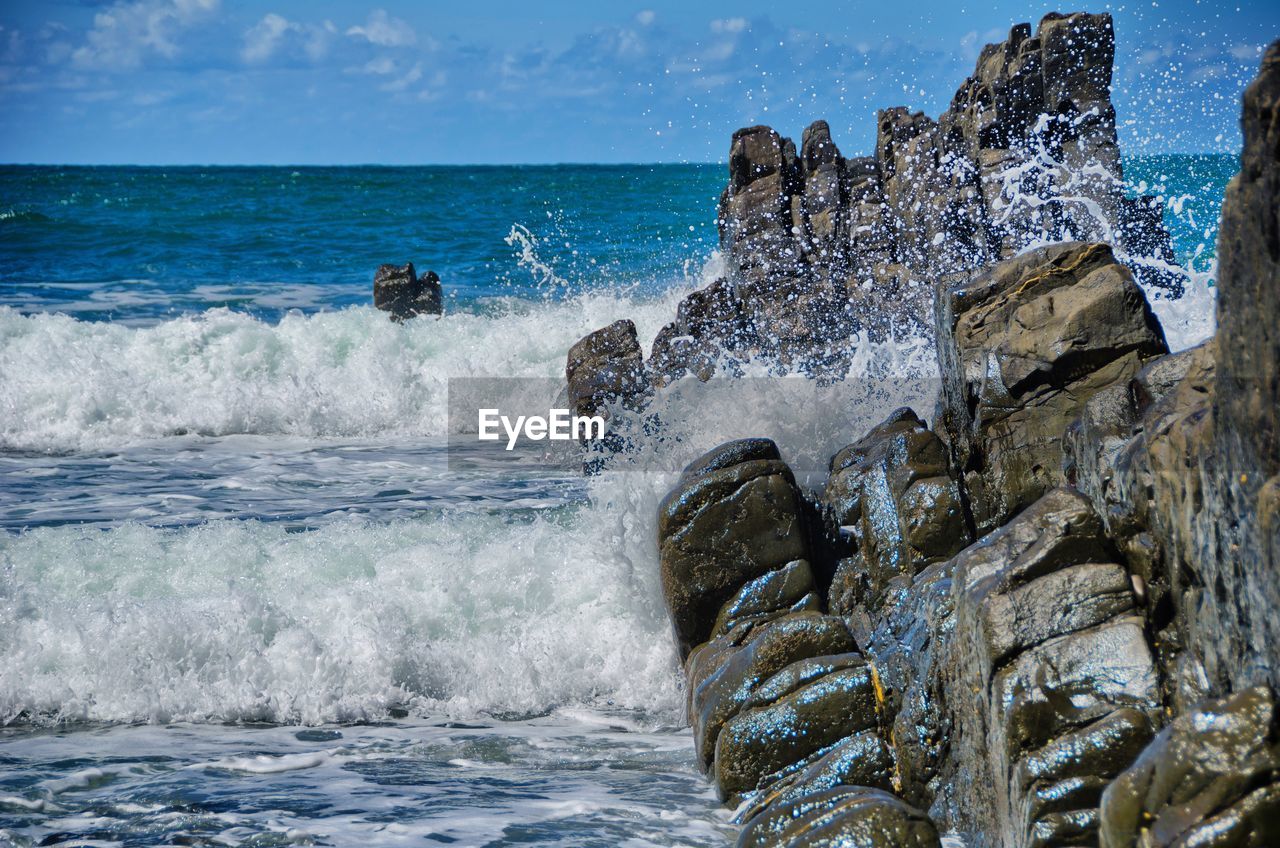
397, 289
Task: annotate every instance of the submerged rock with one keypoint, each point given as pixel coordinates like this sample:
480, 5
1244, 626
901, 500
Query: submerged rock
398, 290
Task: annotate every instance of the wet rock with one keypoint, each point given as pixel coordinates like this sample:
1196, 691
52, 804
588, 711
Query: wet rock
397, 289
763, 739
1212, 777
1049, 676
724, 673
892, 494
1022, 348
710, 324
787, 589
605, 367
862, 759
853, 816
729, 520
1243, 577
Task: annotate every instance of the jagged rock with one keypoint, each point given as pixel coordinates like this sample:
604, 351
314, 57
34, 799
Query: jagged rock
893, 493
908, 646
709, 322
724, 673
764, 738
397, 289
1212, 777
1022, 348
731, 518
605, 367
852, 816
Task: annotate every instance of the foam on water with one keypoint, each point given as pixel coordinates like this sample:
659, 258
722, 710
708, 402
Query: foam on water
77, 385
459, 610
552, 780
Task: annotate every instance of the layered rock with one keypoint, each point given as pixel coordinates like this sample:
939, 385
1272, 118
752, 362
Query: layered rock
1212, 777
783, 706
892, 496
1051, 684
1022, 348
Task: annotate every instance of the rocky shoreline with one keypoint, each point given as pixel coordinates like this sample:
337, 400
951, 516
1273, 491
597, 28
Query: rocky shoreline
1051, 614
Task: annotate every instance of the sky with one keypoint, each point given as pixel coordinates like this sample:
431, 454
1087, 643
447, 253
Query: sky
522, 81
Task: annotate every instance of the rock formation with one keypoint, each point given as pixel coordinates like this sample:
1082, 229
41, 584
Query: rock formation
1054, 616
397, 289
825, 252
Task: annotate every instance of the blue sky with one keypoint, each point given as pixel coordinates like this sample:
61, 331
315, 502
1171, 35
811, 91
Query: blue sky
320, 82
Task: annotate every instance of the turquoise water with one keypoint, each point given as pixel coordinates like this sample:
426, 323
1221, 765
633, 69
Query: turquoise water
245, 598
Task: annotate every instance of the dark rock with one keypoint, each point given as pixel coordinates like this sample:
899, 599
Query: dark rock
893, 494
852, 816
1244, 575
1022, 348
763, 739
862, 759
398, 290
605, 367
1049, 676
725, 672
787, 589
1212, 777
728, 521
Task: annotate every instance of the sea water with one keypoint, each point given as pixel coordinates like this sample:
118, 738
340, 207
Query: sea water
248, 594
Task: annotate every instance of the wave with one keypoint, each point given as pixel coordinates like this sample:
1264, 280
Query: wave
77, 385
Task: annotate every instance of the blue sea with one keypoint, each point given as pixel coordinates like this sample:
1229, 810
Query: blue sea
245, 597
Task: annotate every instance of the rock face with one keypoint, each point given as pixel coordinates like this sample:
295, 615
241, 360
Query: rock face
1022, 348
734, 517
1212, 777
1054, 621
397, 289
1246, 480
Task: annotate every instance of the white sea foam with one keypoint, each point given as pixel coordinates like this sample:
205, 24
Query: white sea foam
463, 611
77, 385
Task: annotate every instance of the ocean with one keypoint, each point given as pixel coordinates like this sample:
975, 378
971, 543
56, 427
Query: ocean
248, 593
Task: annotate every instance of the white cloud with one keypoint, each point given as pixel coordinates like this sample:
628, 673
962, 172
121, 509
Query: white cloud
382, 66
646, 17
261, 40
1245, 52
128, 32
414, 74
384, 30
265, 38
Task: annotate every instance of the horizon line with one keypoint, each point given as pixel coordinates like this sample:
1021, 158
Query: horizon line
567, 163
